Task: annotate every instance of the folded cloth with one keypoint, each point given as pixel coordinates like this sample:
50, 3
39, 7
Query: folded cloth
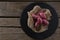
42, 17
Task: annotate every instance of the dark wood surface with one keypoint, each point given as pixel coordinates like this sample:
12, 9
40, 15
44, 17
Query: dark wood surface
10, 21
29, 0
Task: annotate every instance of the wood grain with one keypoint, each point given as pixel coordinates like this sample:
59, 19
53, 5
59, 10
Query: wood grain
18, 34
55, 36
13, 22
10, 30
30, 0
16, 8
9, 22
12, 8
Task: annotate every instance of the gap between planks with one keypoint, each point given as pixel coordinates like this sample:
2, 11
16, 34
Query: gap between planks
14, 9
13, 22
16, 33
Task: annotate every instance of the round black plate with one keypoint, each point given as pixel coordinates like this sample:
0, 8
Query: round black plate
52, 25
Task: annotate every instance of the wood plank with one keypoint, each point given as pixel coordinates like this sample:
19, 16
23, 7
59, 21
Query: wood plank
18, 30
55, 36
30, 0
10, 30
16, 8
46, 0
12, 8
13, 34
9, 22
18, 34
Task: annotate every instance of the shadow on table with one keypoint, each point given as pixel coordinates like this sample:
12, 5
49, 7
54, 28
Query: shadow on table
37, 39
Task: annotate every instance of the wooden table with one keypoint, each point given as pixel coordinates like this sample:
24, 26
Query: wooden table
10, 28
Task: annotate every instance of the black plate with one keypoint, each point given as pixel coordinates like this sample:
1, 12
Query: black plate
52, 25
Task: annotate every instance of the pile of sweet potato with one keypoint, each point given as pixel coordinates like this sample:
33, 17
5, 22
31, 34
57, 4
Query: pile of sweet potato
38, 16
